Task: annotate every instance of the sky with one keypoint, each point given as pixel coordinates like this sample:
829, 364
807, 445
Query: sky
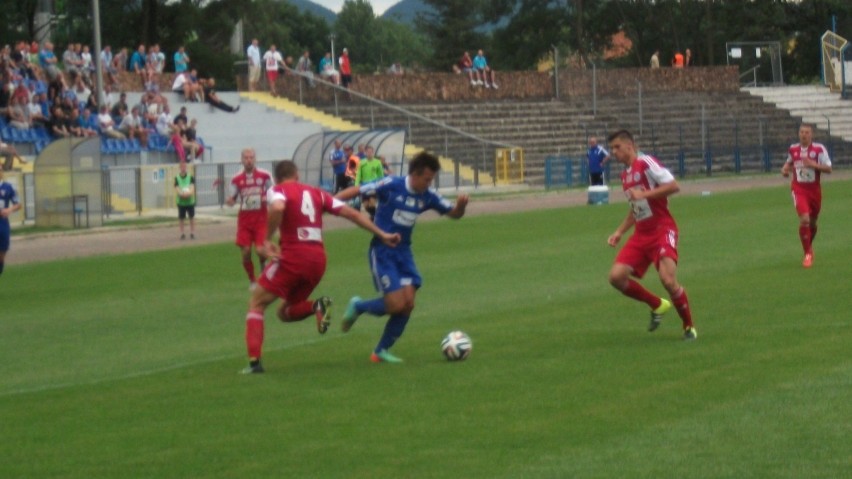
379, 6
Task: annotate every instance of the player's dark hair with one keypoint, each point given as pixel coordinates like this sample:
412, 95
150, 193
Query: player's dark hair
285, 170
620, 135
807, 125
424, 161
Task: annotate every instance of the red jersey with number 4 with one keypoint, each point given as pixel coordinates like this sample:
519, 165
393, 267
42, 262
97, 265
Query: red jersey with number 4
250, 189
301, 225
646, 173
806, 179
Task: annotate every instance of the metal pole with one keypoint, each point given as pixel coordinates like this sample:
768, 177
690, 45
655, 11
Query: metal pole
639, 83
96, 55
703, 130
594, 91
556, 70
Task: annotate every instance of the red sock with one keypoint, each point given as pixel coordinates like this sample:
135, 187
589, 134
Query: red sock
813, 234
254, 334
805, 237
639, 293
681, 302
249, 267
300, 311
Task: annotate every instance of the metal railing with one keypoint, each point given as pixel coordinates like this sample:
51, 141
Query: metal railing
461, 147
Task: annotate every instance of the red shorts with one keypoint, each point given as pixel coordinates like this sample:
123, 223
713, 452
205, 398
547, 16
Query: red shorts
251, 229
807, 202
272, 75
293, 280
641, 250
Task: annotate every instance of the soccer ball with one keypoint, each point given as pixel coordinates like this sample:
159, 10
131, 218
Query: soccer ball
456, 346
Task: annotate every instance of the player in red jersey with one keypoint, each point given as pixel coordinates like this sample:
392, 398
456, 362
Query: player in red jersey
298, 262
647, 185
249, 187
809, 160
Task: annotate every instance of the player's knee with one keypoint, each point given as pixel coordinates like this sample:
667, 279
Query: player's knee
618, 280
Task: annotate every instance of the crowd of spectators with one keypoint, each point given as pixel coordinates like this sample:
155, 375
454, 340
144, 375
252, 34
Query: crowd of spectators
45, 97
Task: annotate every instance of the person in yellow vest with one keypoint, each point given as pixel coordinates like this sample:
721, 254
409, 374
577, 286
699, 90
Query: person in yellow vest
353, 161
185, 189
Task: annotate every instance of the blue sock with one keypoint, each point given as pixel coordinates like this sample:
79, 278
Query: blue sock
376, 306
393, 330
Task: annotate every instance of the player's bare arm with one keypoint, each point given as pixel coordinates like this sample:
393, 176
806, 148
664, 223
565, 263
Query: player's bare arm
275, 213
785, 170
665, 189
624, 227
347, 194
809, 163
356, 217
460, 207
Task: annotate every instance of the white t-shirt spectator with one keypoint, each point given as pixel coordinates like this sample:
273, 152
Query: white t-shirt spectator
253, 53
164, 124
272, 59
180, 81
105, 121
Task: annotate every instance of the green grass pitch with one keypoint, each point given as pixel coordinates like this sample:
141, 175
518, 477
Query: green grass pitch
126, 366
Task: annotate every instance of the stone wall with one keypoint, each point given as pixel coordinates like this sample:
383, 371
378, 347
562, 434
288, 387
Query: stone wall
573, 83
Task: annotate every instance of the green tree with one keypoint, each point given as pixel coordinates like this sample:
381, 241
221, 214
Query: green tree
357, 30
451, 29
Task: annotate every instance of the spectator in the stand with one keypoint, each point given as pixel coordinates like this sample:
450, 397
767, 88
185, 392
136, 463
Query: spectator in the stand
655, 59
345, 69
87, 65
9, 153
305, 67
272, 59
212, 98
484, 72
37, 115
196, 88
165, 123
687, 58
327, 71
187, 136
465, 65
119, 61
181, 60
81, 91
121, 103
107, 124
253, 58
131, 126
677, 60
58, 127
19, 113
88, 121
156, 64
181, 116
83, 123
48, 62
396, 69
70, 61
74, 125
107, 67
138, 64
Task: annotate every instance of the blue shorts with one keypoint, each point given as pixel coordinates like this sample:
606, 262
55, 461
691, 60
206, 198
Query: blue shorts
5, 235
393, 268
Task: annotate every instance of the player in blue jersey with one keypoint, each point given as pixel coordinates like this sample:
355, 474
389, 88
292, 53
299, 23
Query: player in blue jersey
8, 205
401, 199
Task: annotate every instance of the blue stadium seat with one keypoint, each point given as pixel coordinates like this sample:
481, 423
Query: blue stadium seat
6, 134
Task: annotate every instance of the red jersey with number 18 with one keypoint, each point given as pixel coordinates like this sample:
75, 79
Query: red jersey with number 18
646, 173
301, 226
